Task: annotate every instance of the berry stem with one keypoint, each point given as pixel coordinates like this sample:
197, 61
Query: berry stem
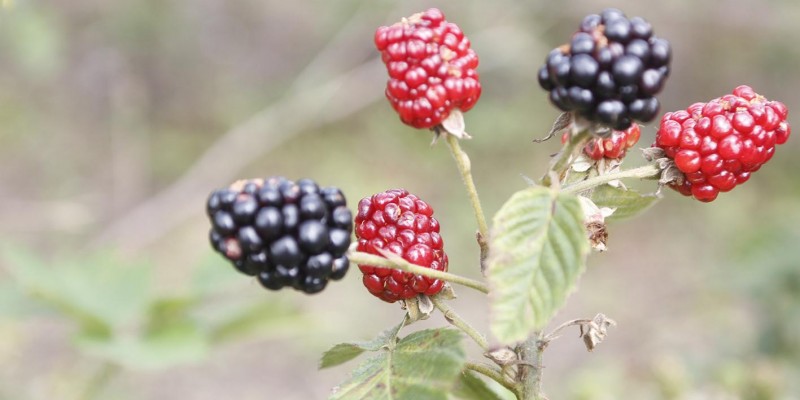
647, 171
403, 265
560, 162
454, 319
531, 354
464, 166
493, 374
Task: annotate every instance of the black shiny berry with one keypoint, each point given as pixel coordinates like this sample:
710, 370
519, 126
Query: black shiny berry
285, 251
339, 240
284, 233
583, 70
213, 204
244, 208
313, 236
340, 267
269, 223
582, 43
342, 218
291, 217
312, 207
627, 70
270, 196
249, 239
223, 223
611, 58
618, 30
611, 111
610, 14
319, 265
333, 197
640, 28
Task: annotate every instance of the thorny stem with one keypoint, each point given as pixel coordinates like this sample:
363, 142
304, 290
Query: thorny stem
561, 160
464, 166
493, 374
453, 318
401, 264
99, 381
531, 354
647, 171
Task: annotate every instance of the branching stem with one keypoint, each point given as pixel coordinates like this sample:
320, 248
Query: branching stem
531, 354
560, 162
453, 318
493, 374
647, 171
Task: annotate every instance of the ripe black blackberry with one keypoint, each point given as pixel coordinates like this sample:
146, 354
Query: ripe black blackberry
283, 232
610, 71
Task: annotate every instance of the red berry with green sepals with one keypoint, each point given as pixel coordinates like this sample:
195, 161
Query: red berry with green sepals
401, 223
431, 68
719, 144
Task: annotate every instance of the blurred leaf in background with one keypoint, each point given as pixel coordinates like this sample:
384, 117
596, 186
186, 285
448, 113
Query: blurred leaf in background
124, 320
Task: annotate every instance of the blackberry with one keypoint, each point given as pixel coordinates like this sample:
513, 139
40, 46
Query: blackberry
284, 233
609, 72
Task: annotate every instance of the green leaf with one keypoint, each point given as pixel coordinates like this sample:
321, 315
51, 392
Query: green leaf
627, 203
177, 344
166, 311
423, 365
169, 336
230, 322
15, 304
471, 387
100, 292
538, 251
344, 352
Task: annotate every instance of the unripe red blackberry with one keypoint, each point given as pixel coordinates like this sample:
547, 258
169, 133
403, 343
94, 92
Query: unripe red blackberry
717, 145
431, 68
612, 147
610, 71
282, 232
401, 223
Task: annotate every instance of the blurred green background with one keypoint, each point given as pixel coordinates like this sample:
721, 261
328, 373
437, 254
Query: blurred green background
117, 118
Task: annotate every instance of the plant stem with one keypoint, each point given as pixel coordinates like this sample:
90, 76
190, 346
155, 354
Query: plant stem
401, 264
465, 168
94, 387
647, 171
531, 356
561, 160
493, 374
453, 318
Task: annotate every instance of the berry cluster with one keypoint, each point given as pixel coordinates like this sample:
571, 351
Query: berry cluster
401, 223
610, 71
717, 145
282, 232
431, 68
613, 147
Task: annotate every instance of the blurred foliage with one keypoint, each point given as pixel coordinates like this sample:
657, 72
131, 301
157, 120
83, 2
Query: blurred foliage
103, 105
123, 320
